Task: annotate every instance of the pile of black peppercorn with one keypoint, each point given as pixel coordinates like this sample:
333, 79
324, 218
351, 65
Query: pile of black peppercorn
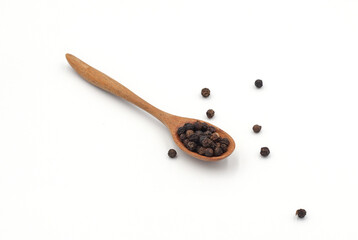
203, 139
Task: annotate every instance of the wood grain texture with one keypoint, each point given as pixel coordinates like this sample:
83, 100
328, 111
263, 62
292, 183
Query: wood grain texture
172, 122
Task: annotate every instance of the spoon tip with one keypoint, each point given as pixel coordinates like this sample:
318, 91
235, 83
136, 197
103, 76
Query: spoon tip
69, 57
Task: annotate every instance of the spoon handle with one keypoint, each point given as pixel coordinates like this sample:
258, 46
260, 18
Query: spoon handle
110, 85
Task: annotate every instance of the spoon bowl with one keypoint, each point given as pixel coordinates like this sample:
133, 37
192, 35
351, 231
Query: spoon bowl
180, 121
172, 122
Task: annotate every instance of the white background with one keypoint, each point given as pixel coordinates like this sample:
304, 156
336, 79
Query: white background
78, 163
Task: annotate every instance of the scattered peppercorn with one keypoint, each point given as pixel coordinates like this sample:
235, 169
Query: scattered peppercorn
205, 92
210, 113
256, 128
203, 139
301, 213
172, 153
265, 151
258, 83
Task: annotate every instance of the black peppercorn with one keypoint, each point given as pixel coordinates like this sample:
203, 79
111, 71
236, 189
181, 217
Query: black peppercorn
258, 83
200, 150
223, 147
204, 126
218, 151
182, 137
198, 125
215, 136
189, 133
199, 133
206, 142
301, 213
256, 128
205, 92
209, 152
172, 153
191, 146
202, 138
194, 137
211, 129
210, 113
265, 151
185, 142
189, 126
225, 141
181, 130
207, 133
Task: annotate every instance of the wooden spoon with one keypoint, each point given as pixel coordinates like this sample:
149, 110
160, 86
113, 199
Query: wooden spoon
172, 122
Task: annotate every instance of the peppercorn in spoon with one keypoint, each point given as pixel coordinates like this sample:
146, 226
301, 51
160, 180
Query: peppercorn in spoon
189, 134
